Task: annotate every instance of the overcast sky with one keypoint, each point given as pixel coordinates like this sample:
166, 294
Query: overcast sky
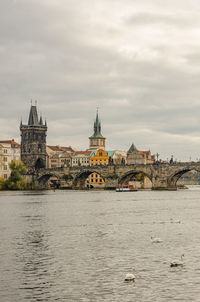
137, 60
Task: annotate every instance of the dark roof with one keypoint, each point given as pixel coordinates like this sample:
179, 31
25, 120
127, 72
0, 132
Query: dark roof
33, 120
33, 117
132, 149
97, 128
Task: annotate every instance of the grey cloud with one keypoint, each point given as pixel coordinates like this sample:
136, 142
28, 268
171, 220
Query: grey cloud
170, 19
69, 58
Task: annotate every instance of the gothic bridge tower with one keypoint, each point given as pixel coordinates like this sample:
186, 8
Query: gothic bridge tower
33, 142
97, 141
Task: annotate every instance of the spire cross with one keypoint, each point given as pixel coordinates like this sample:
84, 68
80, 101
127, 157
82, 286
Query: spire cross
35, 103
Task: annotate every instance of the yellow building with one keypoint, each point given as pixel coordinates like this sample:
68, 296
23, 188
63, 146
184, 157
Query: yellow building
98, 158
96, 181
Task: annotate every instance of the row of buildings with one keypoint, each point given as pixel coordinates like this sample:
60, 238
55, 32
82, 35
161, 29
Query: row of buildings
36, 154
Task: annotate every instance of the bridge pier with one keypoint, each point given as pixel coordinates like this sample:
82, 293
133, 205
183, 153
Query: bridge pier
162, 184
111, 183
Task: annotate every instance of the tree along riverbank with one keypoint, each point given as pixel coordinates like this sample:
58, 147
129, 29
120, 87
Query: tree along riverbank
16, 180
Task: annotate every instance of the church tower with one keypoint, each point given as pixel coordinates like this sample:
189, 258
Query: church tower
33, 141
97, 141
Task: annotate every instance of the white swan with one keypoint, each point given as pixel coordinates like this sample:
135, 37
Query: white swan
130, 277
174, 221
156, 240
176, 263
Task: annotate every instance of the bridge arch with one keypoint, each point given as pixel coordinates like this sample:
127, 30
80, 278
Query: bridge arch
133, 176
80, 179
49, 177
173, 179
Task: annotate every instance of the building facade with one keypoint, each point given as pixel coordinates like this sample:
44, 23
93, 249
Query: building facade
33, 141
99, 157
9, 150
81, 158
134, 156
59, 157
119, 157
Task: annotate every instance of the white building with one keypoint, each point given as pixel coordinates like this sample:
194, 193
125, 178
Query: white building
81, 158
119, 157
9, 150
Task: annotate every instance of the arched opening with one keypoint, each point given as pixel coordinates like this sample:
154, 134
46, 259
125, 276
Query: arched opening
39, 164
50, 181
89, 180
137, 179
184, 178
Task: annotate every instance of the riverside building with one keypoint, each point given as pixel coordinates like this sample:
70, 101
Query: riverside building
9, 150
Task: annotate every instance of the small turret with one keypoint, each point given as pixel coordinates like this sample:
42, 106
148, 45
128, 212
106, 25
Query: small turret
41, 121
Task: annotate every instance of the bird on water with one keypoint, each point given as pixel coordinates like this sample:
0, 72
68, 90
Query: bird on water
156, 240
130, 276
176, 263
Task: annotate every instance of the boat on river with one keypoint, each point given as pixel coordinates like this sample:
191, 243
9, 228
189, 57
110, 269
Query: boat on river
126, 188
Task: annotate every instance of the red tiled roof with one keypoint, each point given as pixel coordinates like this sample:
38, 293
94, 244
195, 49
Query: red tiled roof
58, 148
83, 152
144, 152
12, 142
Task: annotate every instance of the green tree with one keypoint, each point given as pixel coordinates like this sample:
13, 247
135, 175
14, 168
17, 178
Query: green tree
15, 180
2, 183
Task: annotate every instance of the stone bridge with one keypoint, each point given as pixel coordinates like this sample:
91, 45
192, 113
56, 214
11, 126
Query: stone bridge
162, 175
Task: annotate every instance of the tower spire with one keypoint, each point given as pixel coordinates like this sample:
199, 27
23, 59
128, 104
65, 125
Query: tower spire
41, 120
33, 116
97, 141
21, 123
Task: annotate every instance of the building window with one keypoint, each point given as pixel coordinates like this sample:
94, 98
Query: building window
5, 159
5, 176
5, 151
5, 168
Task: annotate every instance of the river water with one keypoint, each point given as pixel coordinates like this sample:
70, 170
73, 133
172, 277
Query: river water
78, 246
